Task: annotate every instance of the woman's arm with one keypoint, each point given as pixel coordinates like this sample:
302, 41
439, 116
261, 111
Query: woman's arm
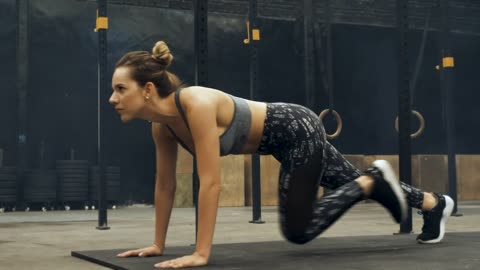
201, 115
202, 120
165, 184
165, 181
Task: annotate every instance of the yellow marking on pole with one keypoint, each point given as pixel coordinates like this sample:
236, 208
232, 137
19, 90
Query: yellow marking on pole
448, 62
256, 34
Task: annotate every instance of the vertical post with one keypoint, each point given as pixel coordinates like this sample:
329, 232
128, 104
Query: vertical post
328, 22
256, 185
201, 76
101, 28
22, 89
308, 53
404, 110
447, 88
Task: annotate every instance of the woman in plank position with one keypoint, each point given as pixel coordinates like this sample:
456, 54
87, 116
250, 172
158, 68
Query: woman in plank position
210, 123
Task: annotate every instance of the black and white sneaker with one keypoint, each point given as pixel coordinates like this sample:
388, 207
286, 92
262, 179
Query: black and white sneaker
387, 190
434, 220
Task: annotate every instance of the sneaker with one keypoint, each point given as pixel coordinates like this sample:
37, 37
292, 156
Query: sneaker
434, 220
387, 190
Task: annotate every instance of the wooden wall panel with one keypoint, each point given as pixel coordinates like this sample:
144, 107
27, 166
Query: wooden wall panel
269, 172
183, 194
429, 173
184, 161
468, 177
232, 177
433, 173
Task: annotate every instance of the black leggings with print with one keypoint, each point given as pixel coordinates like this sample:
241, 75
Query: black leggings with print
295, 136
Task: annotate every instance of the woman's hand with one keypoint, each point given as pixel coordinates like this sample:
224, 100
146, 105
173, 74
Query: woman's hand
185, 261
153, 250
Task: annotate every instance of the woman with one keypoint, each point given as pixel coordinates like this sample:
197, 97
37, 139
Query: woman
210, 123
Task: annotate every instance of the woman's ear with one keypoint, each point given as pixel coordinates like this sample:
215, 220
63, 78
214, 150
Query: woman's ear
150, 89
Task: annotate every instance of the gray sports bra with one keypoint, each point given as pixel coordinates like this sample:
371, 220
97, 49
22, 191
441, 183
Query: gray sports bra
235, 136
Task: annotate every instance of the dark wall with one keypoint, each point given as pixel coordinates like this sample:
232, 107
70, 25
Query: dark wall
62, 89
228, 64
62, 86
366, 94
467, 94
138, 29
8, 91
63, 83
280, 62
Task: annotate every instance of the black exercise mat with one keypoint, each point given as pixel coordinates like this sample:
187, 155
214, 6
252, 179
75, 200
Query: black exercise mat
396, 252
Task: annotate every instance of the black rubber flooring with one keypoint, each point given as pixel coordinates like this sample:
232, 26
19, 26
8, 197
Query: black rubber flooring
395, 252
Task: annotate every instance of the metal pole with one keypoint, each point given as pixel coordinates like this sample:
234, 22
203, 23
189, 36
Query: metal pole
404, 109
201, 77
308, 53
329, 48
102, 25
22, 89
256, 185
447, 88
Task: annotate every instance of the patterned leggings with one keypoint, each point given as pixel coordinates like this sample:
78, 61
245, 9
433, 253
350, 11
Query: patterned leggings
295, 136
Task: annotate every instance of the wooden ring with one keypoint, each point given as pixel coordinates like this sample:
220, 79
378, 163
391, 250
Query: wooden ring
339, 123
420, 129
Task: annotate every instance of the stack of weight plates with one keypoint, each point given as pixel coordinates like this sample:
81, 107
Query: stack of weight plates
112, 178
72, 180
40, 186
8, 184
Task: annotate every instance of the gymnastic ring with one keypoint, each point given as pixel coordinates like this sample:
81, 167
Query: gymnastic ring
339, 123
420, 129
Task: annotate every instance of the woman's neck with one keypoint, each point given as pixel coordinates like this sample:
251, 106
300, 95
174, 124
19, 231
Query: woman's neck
161, 110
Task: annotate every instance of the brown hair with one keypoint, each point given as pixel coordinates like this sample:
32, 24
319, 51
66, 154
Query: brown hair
146, 67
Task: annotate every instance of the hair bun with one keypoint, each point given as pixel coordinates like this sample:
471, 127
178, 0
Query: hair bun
161, 53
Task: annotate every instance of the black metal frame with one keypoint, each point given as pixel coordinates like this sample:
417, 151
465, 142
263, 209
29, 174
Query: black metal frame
254, 83
376, 13
308, 53
103, 83
447, 85
404, 109
201, 47
201, 77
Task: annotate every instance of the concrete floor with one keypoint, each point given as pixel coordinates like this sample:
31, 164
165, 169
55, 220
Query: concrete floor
43, 240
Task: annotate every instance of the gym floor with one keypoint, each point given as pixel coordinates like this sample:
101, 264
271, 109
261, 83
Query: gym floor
44, 240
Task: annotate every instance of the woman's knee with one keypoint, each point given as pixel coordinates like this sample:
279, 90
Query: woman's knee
295, 235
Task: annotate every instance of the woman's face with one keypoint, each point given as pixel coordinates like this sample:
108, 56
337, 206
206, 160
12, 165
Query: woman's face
127, 97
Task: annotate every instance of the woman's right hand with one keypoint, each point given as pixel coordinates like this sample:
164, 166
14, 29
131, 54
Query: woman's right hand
153, 250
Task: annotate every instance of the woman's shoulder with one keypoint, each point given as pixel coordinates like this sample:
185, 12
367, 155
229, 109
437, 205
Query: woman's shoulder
201, 95
196, 89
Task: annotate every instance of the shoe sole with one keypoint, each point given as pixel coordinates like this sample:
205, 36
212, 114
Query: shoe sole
389, 176
447, 212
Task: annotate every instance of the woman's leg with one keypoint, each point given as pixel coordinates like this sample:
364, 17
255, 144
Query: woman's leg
302, 215
296, 137
340, 171
436, 207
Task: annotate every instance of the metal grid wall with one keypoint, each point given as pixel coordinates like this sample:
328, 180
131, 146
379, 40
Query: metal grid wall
465, 14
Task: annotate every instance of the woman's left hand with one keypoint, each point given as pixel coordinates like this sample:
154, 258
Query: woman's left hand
185, 261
